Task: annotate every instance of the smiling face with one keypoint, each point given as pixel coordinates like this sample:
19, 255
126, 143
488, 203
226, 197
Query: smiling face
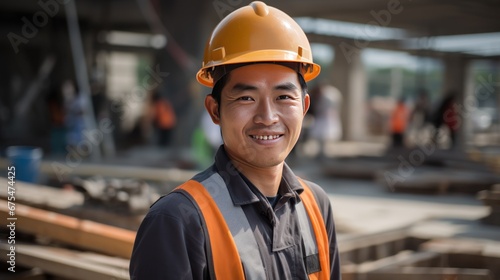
260, 115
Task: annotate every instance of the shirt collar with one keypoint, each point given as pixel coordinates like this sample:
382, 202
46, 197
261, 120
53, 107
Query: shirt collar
241, 193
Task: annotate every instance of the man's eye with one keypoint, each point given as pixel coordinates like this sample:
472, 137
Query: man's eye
281, 97
245, 98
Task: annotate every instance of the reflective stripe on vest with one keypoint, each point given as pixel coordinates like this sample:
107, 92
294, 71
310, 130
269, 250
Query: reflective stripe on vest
235, 252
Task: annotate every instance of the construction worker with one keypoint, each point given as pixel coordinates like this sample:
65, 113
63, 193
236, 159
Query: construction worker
399, 122
164, 119
247, 216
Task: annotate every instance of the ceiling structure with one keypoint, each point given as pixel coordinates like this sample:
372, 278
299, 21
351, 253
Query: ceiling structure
419, 25
417, 18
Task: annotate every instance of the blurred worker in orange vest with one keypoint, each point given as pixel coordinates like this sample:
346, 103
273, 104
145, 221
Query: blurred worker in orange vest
164, 119
399, 122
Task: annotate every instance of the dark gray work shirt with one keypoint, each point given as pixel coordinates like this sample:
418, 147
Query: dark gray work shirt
171, 242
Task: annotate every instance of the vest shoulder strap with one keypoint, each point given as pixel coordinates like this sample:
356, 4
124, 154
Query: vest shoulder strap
226, 261
238, 224
318, 225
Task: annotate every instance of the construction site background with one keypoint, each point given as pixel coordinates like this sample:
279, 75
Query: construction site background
105, 92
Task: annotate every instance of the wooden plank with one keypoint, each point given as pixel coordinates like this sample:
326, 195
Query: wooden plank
348, 167
74, 204
44, 197
359, 249
71, 203
356, 242
80, 233
479, 247
403, 258
435, 180
65, 263
62, 171
431, 273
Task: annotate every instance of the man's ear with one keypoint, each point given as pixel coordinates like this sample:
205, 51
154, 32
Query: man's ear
212, 108
307, 103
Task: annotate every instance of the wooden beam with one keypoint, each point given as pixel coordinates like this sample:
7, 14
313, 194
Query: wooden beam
80, 233
431, 273
66, 263
401, 259
62, 171
469, 246
71, 203
370, 247
44, 197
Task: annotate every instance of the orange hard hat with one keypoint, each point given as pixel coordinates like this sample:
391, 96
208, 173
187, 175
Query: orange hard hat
257, 33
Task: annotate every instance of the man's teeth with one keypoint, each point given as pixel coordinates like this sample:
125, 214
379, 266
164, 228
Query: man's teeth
266, 137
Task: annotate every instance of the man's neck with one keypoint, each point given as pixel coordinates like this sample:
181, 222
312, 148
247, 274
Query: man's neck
266, 180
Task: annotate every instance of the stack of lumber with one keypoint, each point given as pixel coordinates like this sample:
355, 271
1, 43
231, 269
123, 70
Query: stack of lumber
112, 245
71, 203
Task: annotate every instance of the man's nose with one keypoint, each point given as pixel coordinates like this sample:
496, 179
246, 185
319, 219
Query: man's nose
266, 112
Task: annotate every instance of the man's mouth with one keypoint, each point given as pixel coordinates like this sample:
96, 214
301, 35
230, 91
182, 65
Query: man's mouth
266, 137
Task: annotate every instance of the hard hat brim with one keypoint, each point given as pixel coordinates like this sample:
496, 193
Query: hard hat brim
273, 56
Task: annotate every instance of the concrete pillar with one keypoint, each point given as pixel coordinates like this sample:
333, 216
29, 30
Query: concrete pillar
396, 89
349, 77
454, 73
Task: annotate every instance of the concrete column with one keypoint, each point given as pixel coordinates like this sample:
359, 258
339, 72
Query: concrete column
349, 77
454, 74
465, 135
396, 89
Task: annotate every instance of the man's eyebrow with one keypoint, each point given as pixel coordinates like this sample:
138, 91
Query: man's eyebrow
239, 87
286, 86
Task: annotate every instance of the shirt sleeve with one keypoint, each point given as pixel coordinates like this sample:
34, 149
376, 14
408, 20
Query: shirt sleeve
170, 242
326, 210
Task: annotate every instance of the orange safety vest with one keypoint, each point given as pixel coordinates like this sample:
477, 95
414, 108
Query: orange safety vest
164, 114
226, 258
399, 119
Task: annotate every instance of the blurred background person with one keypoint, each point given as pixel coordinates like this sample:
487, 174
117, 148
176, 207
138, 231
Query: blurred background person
56, 110
164, 119
399, 123
326, 127
206, 140
420, 118
445, 120
211, 131
74, 111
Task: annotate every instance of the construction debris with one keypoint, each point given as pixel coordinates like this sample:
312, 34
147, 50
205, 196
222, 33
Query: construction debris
130, 195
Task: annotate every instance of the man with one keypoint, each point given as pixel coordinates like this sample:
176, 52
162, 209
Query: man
248, 216
399, 122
